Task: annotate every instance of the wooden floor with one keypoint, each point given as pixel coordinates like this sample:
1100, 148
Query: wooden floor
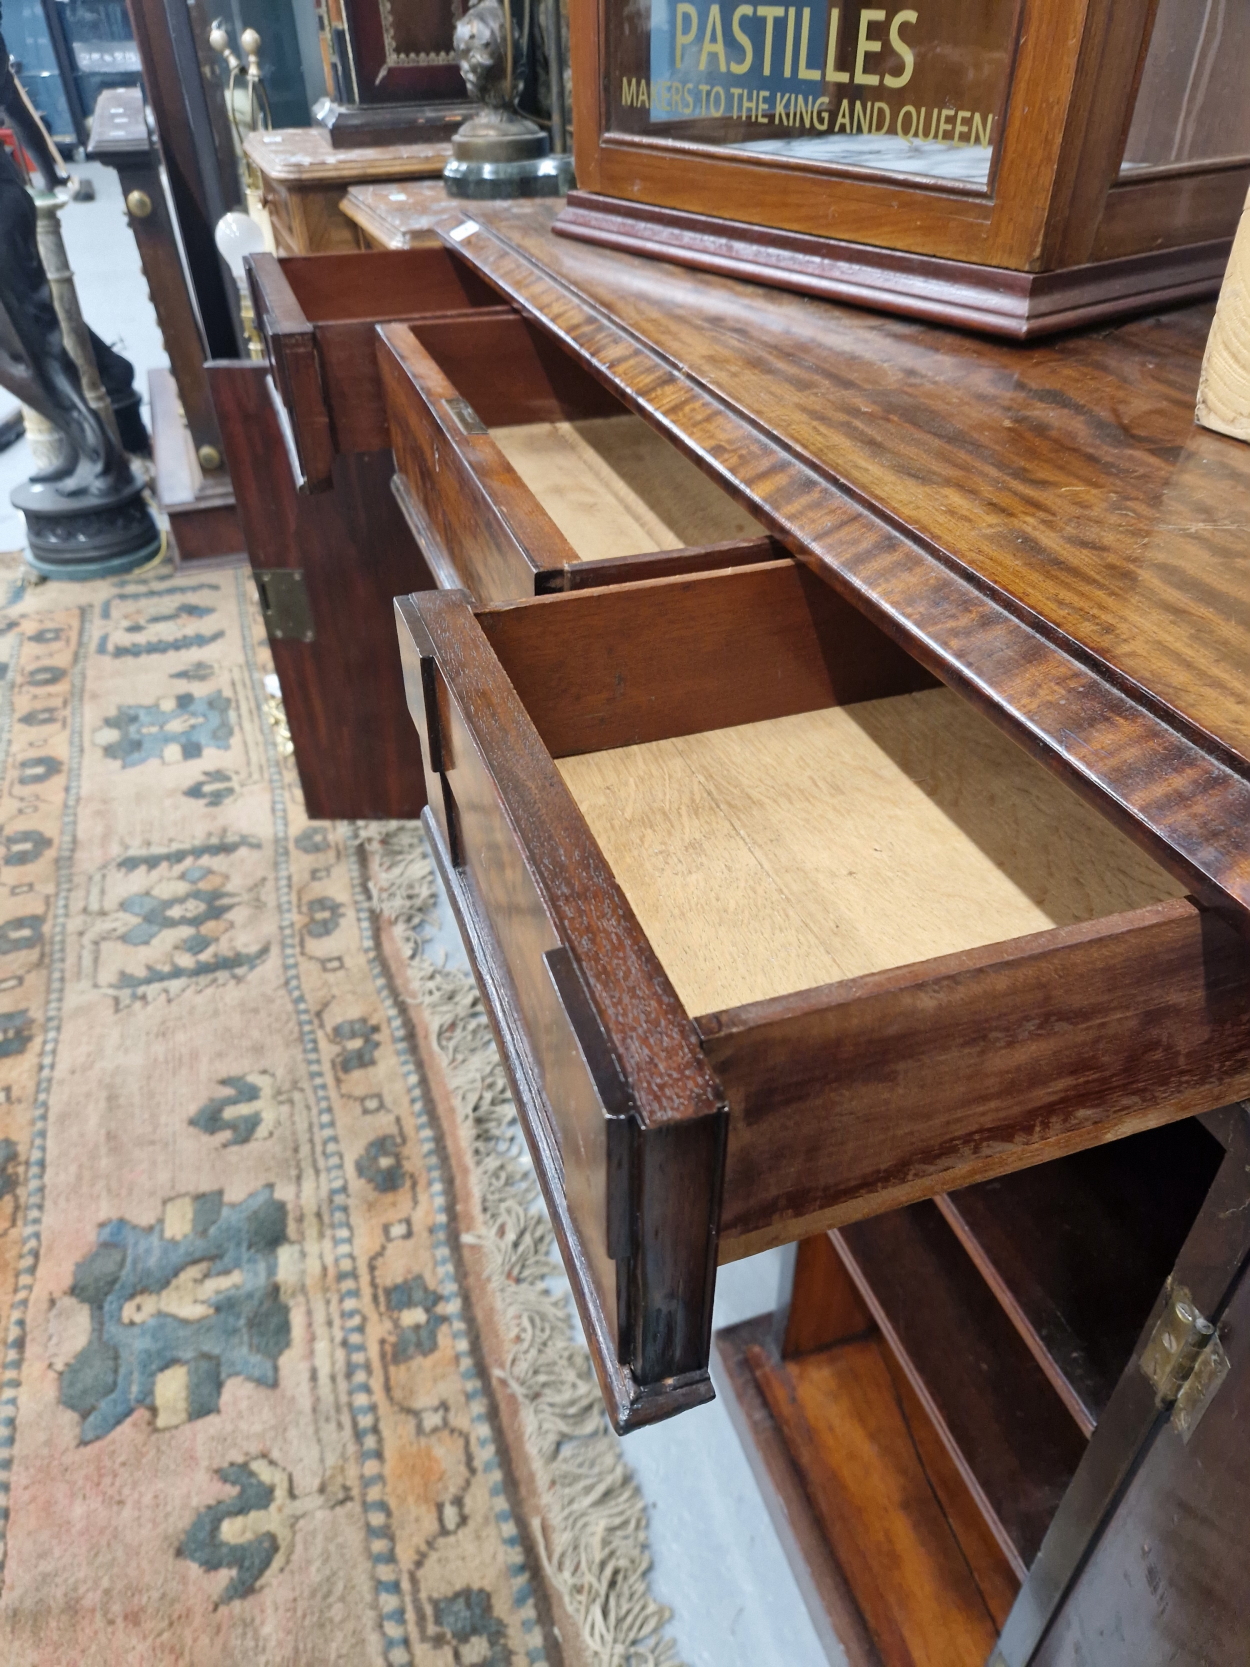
615, 487
800, 851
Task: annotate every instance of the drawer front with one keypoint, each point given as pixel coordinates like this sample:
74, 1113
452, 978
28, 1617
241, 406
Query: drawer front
290, 348
317, 315
622, 1116
964, 1068
478, 524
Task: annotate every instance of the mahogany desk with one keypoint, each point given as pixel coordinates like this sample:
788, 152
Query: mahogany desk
982, 1123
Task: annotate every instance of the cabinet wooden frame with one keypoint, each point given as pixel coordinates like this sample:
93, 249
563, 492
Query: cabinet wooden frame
667, 1141
1026, 257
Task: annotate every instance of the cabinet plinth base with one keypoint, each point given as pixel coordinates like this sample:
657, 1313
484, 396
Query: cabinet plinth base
1021, 306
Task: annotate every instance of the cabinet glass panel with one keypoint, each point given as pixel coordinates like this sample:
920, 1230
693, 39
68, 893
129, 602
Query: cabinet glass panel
1193, 104
916, 91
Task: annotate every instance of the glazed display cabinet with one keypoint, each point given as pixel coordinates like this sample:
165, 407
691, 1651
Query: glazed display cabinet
1014, 166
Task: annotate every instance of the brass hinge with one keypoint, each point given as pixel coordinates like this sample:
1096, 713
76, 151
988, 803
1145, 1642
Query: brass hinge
1184, 1361
284, 604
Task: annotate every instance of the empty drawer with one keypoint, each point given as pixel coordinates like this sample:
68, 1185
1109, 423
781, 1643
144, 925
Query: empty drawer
522, 474
778, 933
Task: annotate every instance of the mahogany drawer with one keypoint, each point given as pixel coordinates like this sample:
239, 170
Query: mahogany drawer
521, 474
777, 933
317, 314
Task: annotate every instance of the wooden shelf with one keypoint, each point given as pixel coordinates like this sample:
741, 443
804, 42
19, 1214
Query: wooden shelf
1076, 1250
852, 1465
1007, 1430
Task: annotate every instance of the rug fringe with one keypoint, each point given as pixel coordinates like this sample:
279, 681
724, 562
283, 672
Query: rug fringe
594, 1539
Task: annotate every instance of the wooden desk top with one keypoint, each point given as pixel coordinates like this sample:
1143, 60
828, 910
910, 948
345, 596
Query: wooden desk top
304, 156
1045, 526
400, 214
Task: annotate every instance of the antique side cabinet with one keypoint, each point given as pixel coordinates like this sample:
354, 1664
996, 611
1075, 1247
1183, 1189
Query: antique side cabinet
836, 755
1015, 166
876, 881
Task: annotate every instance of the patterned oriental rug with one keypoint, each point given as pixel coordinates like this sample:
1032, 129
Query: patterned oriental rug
287, 1376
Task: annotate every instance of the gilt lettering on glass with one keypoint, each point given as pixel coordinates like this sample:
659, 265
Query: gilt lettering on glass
917, 90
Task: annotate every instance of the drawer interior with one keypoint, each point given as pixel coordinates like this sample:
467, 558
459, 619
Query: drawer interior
787, 799
391, 283
800, 851
616, 487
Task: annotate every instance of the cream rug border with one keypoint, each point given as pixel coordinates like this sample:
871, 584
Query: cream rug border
591, 1528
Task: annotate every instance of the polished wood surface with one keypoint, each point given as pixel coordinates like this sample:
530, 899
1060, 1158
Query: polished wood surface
990, 1434
1074, 70
1061, 77
303, 155
1019, 306
1098, 1028
834, 1613
877, 1503
998, 1414
904, 464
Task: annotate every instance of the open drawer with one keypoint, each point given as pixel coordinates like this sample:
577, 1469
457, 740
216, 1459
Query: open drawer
317, 314
777, 933
521, 474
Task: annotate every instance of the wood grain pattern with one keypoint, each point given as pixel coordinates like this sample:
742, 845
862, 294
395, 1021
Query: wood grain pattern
844, 1423
1209, 1263
825, 1307
704, 558
833, 1611
1097, 1031
400, 214
351, 380
607, 668
296, 155
530, 498
480, 511
1074, 72
646, 1193
1224, 387
1111, 640
799, 851
1020, 306
337, 289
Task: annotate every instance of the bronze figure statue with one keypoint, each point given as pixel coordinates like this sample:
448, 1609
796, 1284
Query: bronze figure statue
499, 152
85, 514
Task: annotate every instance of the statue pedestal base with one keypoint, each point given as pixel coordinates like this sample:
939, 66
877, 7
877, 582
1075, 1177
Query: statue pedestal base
502, 154
541, 176
85, 537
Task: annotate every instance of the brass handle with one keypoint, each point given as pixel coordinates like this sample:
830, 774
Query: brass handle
139, 204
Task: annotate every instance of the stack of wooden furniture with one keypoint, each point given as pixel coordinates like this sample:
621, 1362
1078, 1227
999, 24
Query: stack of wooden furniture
304, 178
